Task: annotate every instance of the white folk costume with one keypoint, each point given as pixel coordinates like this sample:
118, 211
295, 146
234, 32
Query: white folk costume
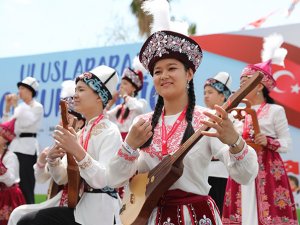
123, 114
10, 194
25, 145
103, 144
101, 139
268, 199
187, 200
217, 172
41, 172
241, 166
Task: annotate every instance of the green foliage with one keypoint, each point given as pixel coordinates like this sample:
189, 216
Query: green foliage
40, 198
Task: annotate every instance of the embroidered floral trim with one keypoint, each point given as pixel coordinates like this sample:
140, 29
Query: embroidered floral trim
87, 163
131, 75
162, 43
125, 155
219, 86
282, 197
205, 221
277, 169
96, 84
241, 155
98, 129
154, 150
5, 212
272, 143
267, 80
3, 169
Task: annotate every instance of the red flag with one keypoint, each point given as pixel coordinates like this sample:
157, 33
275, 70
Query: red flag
291, 166
259, 22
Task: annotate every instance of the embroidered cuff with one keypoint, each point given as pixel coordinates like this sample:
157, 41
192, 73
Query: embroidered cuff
241, 155
128, 153
272, 144
86, 162
3, 169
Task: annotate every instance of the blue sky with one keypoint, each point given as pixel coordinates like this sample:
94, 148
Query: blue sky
40, 26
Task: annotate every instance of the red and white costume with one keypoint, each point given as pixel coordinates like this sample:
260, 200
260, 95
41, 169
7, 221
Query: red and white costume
10, 194
268, 199
191, 189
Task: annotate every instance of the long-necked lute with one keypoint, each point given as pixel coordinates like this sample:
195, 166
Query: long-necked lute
72, 168
145, 189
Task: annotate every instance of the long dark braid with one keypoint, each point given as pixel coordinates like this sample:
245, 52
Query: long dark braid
266, 95
189, 114
189, 131
126, 114
155, 118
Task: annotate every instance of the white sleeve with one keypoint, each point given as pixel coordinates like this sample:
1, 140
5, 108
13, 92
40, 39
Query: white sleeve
281, 128
139, 105
58, 171
11, 174
41, 174
94, 171
242, 167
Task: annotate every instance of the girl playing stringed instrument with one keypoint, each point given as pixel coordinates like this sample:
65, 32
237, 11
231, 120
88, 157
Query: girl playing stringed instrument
268, 199
92, 149
172, 59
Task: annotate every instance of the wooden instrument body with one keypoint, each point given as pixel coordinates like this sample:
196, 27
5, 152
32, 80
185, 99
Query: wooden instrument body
72, 168
146, 189
239, 113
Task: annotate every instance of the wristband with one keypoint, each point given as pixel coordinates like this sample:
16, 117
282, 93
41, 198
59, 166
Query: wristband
127, 148
238, 141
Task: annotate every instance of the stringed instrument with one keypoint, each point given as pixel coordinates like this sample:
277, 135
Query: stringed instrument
54, 188
239, 113
72, 168
145, 189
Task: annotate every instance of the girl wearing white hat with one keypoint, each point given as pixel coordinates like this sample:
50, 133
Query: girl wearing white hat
92, 148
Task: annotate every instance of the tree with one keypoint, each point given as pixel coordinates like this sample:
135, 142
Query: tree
144, 21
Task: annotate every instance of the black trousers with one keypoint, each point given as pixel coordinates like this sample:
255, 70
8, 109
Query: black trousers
217, 191
27, 179
50, 216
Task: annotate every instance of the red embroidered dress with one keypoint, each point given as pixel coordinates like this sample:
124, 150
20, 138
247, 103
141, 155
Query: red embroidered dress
271, 190
10, 194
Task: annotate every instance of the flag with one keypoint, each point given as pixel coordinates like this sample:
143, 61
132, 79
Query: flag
259, 22
292, 7
291, 166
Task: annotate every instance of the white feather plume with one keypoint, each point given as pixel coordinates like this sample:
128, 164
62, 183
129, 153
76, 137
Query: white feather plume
67, 89
272, 50
160, 11
180, 27
137, 65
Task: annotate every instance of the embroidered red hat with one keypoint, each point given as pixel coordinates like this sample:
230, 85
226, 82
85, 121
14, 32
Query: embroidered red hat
272, 53
7, 130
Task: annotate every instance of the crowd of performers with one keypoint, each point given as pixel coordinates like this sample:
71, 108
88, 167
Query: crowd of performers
231, 175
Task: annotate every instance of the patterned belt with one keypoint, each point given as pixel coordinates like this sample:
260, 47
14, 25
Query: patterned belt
106, 190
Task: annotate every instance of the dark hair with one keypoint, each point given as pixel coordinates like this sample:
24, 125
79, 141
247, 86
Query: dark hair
295, 179
266, 95
188, 116
125, 115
